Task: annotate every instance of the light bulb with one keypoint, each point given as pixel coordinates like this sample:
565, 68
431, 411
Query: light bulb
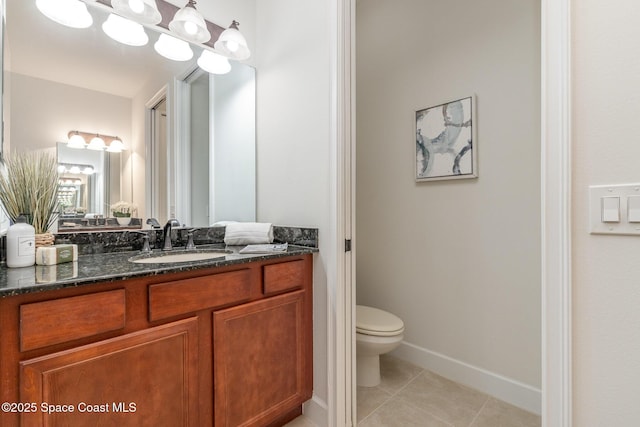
136, 6
232, 46
190, 27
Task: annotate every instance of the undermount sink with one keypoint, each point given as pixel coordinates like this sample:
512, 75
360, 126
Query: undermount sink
178, 257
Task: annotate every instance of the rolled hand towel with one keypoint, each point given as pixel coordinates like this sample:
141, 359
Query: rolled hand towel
248, 233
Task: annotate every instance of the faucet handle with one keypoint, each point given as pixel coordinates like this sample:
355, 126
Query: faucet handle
190, 244
145, 241
153, 223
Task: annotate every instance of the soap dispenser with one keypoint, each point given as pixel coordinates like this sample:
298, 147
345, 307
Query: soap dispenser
21, 244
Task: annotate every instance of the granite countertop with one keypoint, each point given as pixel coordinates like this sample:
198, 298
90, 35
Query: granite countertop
114, 266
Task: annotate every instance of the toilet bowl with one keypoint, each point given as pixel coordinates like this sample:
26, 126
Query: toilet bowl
377, 332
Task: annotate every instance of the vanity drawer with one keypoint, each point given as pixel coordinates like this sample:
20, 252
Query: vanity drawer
66, 319
282, 277
189, 295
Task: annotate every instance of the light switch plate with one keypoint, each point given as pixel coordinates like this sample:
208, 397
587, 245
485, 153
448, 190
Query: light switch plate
597, 193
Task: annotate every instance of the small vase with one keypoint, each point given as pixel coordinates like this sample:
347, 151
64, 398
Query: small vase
124, 220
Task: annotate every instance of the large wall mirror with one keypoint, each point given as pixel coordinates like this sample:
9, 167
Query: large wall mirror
58, 79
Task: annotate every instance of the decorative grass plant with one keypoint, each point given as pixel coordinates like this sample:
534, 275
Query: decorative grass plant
29, 185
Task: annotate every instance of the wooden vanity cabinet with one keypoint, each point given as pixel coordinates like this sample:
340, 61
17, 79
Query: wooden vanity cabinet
229, 346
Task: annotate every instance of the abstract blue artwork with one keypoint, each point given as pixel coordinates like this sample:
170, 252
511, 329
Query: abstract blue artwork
445, 141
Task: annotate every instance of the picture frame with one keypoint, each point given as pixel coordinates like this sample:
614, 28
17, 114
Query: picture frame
446, 143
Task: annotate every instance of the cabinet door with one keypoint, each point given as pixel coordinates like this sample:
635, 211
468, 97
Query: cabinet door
146, 378
262, 360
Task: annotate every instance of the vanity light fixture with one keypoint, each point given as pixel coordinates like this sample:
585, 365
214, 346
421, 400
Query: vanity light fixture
112, 144
189, 24
70, 13
232, 43
75, 169
213, 63
125, 31
173, 48
142, 11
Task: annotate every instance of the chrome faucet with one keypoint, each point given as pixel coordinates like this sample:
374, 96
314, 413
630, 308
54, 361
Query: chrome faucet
167, 233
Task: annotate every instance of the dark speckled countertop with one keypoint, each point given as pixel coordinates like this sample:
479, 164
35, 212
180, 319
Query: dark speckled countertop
114, 266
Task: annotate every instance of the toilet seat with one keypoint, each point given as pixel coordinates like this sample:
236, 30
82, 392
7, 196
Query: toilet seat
376, 322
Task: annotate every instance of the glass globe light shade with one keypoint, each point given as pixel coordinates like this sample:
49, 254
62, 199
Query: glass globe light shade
96, 143
125, 31
141, 11
76, 141
232, 43
189, 24
213, 63
70, 13
116, 146
173, 48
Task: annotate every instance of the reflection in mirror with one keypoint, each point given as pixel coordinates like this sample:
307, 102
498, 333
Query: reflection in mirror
89, 181
58, 79
220, 148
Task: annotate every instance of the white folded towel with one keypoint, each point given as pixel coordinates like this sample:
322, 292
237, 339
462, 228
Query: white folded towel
248, 233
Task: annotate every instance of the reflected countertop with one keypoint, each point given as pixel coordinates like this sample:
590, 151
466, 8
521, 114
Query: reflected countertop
115, 266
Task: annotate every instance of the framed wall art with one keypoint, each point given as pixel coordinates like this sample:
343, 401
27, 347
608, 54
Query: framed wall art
446, 146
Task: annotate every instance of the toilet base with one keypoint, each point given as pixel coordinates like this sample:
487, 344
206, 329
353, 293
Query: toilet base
368, 370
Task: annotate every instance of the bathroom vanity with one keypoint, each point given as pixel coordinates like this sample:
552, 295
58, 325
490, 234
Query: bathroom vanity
224, 342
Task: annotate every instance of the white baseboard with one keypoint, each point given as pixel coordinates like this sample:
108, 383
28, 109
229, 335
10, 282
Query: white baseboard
316, 410
514, 392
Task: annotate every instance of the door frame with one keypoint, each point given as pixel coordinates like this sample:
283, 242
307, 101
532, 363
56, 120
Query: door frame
555, 213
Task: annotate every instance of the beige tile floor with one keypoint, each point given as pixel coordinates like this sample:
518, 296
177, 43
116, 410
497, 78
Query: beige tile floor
409, 396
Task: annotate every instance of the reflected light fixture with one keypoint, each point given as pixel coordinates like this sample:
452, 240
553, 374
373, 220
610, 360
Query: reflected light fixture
112, 144
70, 13
125, 31
141, 11
189, 24
96, 143
232, 43
76, 140
173, 48
213, 63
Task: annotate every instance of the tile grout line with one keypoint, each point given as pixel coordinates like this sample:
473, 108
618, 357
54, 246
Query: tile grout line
422, 409
391, 395
377, 407
479, 411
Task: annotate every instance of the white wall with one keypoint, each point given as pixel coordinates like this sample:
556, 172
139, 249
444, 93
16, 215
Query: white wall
458, 261
606, 272
294, 142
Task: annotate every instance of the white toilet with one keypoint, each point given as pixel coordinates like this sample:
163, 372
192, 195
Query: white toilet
377, 332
